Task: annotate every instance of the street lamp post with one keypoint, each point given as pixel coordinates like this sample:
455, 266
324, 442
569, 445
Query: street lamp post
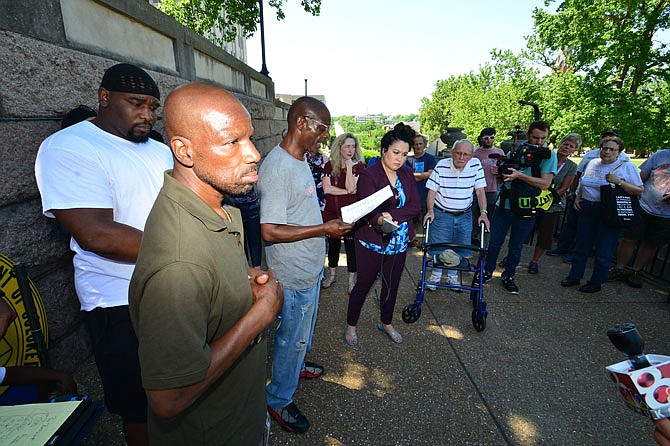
305, 87
264, 68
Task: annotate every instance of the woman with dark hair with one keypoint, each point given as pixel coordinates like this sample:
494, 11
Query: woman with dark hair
590, 224
377, 252
340, 176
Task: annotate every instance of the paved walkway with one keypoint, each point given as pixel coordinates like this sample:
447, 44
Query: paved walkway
534, 376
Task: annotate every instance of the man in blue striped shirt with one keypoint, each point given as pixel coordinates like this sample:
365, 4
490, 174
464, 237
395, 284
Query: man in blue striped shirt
449, 202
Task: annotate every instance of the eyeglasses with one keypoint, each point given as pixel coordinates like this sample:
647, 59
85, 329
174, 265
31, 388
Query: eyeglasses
612, 149
491, 137
461, 154
326, 127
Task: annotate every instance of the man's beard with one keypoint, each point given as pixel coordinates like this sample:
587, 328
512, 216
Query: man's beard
132, 137
237, 188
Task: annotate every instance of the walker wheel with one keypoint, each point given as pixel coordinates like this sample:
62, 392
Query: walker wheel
478, 320
411, 313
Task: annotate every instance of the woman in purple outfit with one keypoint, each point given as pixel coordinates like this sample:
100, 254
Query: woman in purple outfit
379, 253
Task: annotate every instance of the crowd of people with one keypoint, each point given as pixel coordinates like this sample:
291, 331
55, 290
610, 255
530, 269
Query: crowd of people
169, 240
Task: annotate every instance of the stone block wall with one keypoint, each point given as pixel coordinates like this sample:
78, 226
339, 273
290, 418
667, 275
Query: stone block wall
47, 67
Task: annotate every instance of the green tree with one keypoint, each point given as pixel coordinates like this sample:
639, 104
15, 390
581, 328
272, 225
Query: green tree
609, 68
206, 16
369, 133
614, 63
611, 41
486, 98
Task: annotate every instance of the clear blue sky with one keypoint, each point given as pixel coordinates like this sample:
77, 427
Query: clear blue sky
383, 56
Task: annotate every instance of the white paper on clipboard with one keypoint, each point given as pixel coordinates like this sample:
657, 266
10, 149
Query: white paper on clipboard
360, 209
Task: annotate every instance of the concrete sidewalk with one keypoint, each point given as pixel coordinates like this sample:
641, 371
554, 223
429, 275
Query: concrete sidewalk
534, 376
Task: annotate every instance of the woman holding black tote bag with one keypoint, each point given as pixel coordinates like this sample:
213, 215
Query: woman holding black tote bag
591, 225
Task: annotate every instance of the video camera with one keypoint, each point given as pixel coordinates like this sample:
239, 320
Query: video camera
526, 155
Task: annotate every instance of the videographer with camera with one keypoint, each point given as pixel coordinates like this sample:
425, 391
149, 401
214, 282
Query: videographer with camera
526, 172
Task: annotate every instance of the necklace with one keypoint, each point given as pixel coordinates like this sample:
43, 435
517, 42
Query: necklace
227, 217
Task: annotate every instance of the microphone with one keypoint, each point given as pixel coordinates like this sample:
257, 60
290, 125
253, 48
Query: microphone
627, 340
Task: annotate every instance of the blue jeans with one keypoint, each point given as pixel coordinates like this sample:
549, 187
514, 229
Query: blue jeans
590, 228
293, 340
448, 228
504, 219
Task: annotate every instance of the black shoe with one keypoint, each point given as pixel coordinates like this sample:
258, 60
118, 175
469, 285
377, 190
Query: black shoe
290, 418
633, 280
569, 281
311, 371
617, 275
590, 287
486, 277
555, 252
510, 286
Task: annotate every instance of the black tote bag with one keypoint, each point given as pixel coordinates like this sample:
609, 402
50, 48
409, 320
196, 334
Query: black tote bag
618, 208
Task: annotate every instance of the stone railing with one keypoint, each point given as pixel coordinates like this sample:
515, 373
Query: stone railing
52, 56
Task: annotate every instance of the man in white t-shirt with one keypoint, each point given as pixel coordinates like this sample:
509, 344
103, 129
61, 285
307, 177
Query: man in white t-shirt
99, 178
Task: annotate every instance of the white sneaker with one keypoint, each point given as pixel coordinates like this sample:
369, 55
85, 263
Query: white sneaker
454, 280
434, 278
327, 282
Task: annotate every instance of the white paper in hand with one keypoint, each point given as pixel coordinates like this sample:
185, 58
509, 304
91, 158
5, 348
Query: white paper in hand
360, 209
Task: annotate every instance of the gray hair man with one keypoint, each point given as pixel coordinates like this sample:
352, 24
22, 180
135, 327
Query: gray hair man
450, 199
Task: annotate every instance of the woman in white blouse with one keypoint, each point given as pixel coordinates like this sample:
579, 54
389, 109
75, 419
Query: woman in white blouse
590, 225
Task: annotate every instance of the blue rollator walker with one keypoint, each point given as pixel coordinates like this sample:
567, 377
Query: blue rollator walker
412, 312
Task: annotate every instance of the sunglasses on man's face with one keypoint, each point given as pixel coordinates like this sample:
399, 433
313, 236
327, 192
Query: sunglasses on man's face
491, 137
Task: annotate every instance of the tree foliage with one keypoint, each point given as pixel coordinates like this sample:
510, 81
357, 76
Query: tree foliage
370, 133
206, 17
608, 68
486, 98
612, 41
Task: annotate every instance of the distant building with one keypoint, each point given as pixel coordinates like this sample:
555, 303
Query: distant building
379, 119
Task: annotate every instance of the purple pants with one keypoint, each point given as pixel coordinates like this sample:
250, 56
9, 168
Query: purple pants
369, 264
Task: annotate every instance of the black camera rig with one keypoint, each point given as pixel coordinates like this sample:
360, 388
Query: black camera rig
526, 155
523, 154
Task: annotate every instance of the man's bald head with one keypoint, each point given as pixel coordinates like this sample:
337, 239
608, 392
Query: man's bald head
308, 126
306, 106
190, 108
209, 132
